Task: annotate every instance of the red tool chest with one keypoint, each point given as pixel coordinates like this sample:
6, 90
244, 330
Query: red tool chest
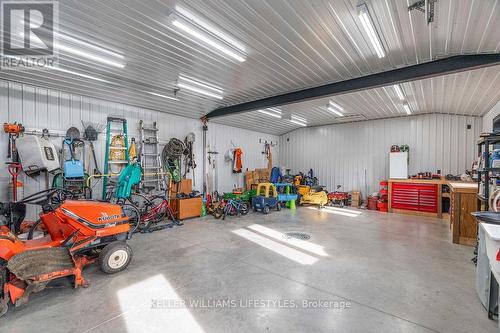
417, 197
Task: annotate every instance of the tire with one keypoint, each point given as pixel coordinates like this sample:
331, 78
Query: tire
3, 278
134, 215
266, 210
278, 206
4, 303
115, 257
244, 209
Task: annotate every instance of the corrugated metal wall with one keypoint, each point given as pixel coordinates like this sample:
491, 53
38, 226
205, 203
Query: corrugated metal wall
340, 154
488, 118
42, 108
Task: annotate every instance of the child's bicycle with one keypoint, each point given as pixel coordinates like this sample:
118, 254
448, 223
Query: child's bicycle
232, 207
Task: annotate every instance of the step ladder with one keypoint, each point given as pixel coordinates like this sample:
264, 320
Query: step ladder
152, 177
114, 126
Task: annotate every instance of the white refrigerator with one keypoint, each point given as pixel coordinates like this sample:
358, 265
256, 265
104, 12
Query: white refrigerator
398, 165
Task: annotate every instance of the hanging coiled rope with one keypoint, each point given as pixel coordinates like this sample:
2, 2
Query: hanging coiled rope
171, 156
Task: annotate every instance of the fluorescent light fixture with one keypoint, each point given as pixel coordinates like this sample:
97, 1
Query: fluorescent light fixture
399, 92
208, 34
367, 22
200, 87
78, 74
407, 108
90, 46
164, 96
298, 120
209, 27
298, 123
82, 53
273, 112
335, 108
91, 56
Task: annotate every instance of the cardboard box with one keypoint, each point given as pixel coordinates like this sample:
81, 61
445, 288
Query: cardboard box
356, 196
186, 208
355, 203
263, 175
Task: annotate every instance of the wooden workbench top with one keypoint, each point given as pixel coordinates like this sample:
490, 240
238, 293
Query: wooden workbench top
463, 187
419, 181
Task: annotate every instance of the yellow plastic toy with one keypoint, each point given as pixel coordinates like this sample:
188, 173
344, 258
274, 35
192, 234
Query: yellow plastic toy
316, 196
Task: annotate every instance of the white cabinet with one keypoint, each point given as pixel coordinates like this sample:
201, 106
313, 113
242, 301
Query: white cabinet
398, 165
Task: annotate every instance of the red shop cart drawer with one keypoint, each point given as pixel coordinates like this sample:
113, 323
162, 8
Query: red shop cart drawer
417, 197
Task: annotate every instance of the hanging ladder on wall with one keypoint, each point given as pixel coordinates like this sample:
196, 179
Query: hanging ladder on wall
113, 130
152, 177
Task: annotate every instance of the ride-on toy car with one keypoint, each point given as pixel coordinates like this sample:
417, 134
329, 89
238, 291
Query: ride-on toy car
338, 198
316, 196
266, 198
71, 235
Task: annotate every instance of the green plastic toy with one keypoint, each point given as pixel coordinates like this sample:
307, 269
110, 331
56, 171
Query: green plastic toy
129, 177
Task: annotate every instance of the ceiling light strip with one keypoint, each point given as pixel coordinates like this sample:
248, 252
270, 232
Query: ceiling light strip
164, 96
399, 92
90, 56
199, 90
367, 23
296, 122
407, 108
272, 114
189, 81
210, 36
186, 14
89, 45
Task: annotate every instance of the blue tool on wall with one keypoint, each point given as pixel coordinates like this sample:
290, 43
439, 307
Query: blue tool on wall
73, 168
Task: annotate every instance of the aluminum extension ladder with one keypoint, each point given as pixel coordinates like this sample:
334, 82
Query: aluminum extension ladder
152, 176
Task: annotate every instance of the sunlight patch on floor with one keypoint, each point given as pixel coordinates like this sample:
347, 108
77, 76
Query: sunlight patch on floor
302, 244
281, 249
152, 305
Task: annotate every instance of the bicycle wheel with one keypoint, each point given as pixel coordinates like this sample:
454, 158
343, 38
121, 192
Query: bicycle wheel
141, 201
244, 209
134, 216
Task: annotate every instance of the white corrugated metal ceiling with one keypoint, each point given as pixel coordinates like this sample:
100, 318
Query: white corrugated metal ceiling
291, 45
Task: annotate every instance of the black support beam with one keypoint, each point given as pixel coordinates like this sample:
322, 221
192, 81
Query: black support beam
421, 71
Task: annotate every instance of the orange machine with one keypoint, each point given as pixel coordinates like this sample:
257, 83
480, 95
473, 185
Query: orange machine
69, 235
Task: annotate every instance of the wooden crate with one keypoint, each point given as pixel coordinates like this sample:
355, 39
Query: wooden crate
185, 186
186, 208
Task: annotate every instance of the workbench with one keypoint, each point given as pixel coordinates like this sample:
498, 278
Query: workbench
463, 201
424, 197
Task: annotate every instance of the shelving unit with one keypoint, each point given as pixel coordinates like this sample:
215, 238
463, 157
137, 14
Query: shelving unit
483, 145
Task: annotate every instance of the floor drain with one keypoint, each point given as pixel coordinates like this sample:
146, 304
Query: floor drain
296, 235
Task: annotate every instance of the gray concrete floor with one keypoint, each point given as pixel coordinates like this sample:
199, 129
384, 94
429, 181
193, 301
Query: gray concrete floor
379, 273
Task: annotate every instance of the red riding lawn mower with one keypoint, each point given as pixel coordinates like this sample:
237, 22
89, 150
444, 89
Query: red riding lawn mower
69, 235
